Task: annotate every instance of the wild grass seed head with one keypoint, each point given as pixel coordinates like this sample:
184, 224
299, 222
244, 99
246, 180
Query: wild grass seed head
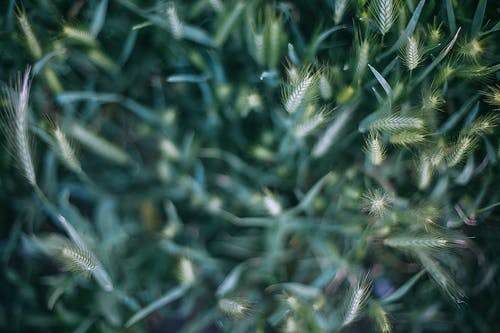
16, 125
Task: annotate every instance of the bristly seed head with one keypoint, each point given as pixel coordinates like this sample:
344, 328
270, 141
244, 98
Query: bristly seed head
234, 307
384, 13
17, 131
411, 54
376, 202
77, 260
357, 302
175, 23
66, 151
375, 148
300, 90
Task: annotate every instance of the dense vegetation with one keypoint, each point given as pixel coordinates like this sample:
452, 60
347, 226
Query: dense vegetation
249, 166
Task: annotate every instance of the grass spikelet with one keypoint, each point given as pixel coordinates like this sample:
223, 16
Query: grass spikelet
31, 40
461, 149
274, 37
174, 21
375, 148
382, 319
273, 206
484, 125
235, 307
17, 132
186, 271
258, 48
325, 86
376, 202
407, 138
414, 242
357, 301
442, 277
65, 151
300, 91
425, 172
384, 13
411, 53
395, 123
76, 259
432, 100
493, 96
310, 124
79, 35
331, 133
339, 10
472, 49
362, 58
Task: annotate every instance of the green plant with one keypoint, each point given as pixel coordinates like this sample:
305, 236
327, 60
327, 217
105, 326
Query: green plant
236, 166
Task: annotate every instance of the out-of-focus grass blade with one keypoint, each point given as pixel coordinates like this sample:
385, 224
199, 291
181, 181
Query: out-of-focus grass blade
311, 53
438, 59
292, 54
398, 294
451, 15
77, 96
97, 144
40, 64
410, 28
128, 47
140, 110
456, 116
99, 18
231, 281
190, 78
197, 35
225, 28
331, 134
495, 28
170, 296
477, 21
466, 174
310, 195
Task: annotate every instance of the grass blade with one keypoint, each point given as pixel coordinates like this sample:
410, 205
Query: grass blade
99, 17
401, 291
477, 21
383, 82
169, 297
451, 16
436, 61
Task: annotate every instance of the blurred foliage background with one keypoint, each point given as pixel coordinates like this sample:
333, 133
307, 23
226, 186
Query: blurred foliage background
251, 166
